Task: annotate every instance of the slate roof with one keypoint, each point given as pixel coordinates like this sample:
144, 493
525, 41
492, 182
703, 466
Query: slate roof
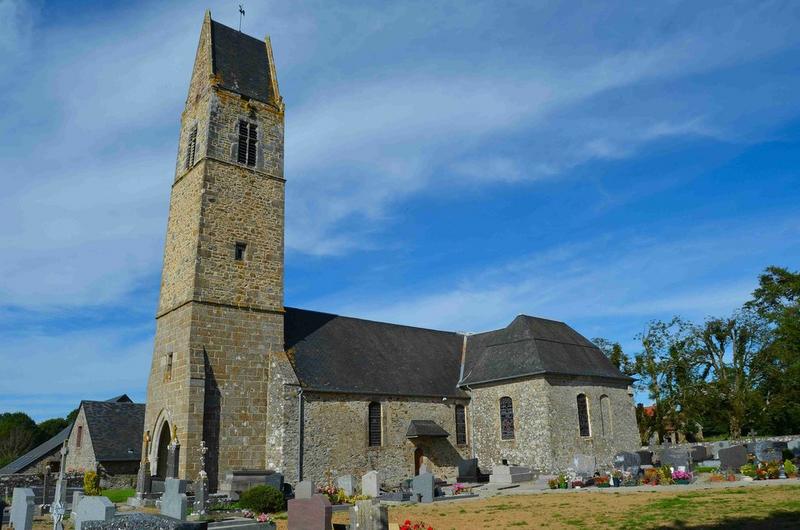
531, 346
116, 429
342, 354
240, 61
429, 428
51, 446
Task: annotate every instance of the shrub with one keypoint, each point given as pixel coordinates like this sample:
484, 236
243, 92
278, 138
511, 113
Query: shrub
91, 483
790, 468
748, 470
665, 475
262, 499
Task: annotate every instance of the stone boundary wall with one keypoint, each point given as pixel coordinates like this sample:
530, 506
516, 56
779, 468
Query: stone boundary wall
740, 441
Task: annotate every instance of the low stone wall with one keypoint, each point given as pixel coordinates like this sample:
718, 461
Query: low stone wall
74, 480
740, 441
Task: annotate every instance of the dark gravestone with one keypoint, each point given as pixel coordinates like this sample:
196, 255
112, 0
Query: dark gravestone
173, 458
310, 514
769, 454
699, 453
732, 458
468, 471
627, 462
143, 521
645, 458
675, 457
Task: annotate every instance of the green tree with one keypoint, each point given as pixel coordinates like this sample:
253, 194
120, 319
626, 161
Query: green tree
18, 434
613, 350
49, 428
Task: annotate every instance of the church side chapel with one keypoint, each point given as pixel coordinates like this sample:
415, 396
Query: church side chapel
254, 387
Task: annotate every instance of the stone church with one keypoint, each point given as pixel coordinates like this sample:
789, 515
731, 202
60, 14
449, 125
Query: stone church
268, 387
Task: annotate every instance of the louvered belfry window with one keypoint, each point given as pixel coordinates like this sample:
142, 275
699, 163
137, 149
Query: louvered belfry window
191, 146
374, 424
247, 143
583, 415
506, 418
461, 425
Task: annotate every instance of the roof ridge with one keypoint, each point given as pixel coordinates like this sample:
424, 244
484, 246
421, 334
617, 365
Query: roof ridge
374, 321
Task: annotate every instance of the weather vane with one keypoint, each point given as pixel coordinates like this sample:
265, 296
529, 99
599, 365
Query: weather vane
241, 14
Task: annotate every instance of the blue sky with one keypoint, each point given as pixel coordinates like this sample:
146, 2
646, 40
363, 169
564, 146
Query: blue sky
448, 165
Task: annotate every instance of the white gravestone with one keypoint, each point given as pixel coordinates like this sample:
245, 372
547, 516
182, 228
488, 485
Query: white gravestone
304, 490
371, 484
94, 509
22, 507
173, 501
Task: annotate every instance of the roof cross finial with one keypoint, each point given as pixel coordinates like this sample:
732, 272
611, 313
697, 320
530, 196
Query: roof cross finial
241, 14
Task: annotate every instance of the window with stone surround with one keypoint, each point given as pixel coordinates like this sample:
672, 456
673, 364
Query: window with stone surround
246, 152
506, 418
461, 425
191, 146
374, 424
239, 251
168, 367
605, 415
583, 415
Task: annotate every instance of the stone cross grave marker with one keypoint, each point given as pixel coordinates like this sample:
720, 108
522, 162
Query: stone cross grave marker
369, 515
732, 458
423, 486
310, 514
59, 507
22, 507
201, 484
371, 484
304, 490
94, 509
173, 501
347, 483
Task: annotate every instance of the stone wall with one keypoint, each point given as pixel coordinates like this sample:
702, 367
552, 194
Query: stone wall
335, 440
80, 458
546, 433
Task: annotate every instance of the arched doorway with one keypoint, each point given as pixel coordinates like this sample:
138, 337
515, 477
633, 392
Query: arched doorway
419, 456
164, 439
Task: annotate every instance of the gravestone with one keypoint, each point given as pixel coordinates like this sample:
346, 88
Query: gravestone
22, 508
699, 453
200, 495
732, 458
173, 457
76, 499
423, 487
502, 474
675, 457
304, 490
310, 514
369, 515
627, 462
173, 501
371, 484
794, 446
716, 446
645, 458
585, 465
348, 484
94, 509
769, 454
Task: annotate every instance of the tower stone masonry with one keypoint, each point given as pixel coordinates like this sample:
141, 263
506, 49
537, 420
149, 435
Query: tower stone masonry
220, 311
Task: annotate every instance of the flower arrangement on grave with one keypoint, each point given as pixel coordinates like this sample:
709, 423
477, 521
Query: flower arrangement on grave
408, 525
459, 489
563, 482
681, 477
716, 476
790, 469
665, 475
651, 476
616, 478
773, 469
602, 481
552, 483
628, 479
748, 470
577, 483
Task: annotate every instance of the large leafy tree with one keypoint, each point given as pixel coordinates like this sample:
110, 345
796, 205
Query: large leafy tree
18, 434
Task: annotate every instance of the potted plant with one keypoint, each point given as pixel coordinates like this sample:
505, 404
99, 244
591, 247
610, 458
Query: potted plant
681, 477
790, 469
651, 477
665, 475
602, 481
562, 482
552, 483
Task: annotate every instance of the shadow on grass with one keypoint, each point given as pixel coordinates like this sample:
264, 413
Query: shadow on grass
778, 519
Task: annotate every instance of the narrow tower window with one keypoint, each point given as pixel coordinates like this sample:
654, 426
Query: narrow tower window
238, 253
190, 147
168, 368
506, 418
79, 436
461, 425
246, 153
583, 415
374, 424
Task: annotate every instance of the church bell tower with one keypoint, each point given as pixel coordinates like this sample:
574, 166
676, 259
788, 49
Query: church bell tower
220, 310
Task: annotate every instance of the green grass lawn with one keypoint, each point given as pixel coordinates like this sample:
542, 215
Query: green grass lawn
119, 494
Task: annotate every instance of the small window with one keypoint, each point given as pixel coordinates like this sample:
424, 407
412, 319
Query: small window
190, 147
605, 415
461, 425
374, 424
583, 415
246, 152
168, 368
506, 418
79, 436
239, 252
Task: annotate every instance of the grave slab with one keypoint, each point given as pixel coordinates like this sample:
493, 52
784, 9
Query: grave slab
142, 521
369, 515
510, 474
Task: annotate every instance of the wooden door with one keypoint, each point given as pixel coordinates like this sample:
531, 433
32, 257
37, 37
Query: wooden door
418, 457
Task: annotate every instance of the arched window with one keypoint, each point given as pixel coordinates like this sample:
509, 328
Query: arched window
506, 418
605, 415
461, 425
374, 424
583, 415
